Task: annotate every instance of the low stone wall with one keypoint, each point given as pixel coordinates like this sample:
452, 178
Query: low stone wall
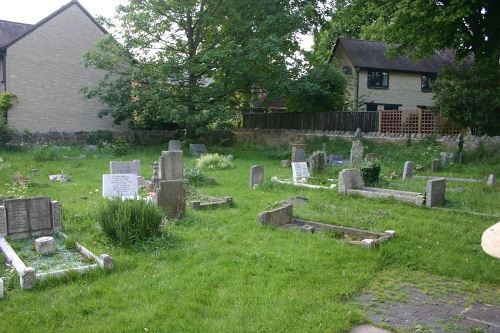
282, 137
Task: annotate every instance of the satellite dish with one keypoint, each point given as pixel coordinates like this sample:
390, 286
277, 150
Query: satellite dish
347, 70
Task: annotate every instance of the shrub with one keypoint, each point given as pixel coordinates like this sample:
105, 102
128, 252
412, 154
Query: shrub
370, 172
127, 222
194, 176
214, 162
99, 137
5, 134
120, 148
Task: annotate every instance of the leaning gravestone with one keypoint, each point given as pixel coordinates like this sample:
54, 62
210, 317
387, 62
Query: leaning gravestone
435, 194
315, 162
197, 149
408, 170
120, 185
256, 175
300, 170
356, 153
174, 145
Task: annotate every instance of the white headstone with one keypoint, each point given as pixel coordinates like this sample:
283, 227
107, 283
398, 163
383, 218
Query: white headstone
300, 170
119, 185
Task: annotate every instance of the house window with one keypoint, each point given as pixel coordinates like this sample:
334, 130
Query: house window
391, 107
371, 107
426, 81
378, 79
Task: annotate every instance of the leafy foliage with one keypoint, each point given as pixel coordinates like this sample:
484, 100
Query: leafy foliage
214, 162
128, 222
370, 171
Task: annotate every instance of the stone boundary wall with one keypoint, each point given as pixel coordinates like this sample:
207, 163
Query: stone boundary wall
67, 138
283, 137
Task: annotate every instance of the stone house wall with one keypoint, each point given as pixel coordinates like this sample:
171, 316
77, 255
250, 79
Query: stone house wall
45, 72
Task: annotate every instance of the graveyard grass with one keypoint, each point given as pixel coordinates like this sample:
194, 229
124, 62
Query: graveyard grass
218, 270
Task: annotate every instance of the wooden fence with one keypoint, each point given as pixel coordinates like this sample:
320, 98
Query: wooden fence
394, 121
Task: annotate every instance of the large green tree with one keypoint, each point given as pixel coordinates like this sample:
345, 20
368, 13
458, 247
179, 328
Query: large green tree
191, 62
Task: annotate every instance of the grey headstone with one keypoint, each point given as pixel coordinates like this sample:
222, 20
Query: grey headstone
45, 245
171, 197
349, 179
435, 194
174, 145
491, 180
120, 185
39, 213
435, 165
56, 209
256, 175
172, 165
356, 153
27, 278
277, 217
315, 162
3, 222
197, 149
125, 167
17, 217
300, 154
408, 170
371, 157
447, 158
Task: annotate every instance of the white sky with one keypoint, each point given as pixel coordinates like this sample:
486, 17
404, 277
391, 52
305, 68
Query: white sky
33, 11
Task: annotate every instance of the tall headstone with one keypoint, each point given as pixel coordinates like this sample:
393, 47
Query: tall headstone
256, 175
3, 222
120, 185
435, 165
174, 145
435, 194
356, 153
171, 197
172, 165
350, 179
408, 170
298, 152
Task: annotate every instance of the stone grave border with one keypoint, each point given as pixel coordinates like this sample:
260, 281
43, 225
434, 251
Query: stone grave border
283, 218
298, 183
28, 276
213, 202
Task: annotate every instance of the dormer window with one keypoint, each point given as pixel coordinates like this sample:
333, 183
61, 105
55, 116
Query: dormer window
378, 79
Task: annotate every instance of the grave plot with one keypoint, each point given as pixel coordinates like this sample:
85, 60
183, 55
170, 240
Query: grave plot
300, 172
206, 201
351, 182
38, 221
283, 218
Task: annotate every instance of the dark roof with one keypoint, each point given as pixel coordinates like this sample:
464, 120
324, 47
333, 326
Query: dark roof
371, 54
11, 30
48, 18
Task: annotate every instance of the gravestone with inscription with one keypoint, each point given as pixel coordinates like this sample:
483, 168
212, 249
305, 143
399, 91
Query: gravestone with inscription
133, 167
300, 170
120, 185
197, 149
298, 153
26, 217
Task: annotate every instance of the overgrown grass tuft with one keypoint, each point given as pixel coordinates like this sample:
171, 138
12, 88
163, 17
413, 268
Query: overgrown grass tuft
214, 162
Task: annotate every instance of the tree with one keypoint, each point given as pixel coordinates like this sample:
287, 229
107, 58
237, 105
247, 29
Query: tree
321, 89
471, 96
192, 62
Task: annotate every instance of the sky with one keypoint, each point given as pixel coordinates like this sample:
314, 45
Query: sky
33, 11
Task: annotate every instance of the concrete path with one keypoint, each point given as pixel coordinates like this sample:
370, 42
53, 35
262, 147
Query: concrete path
429, 314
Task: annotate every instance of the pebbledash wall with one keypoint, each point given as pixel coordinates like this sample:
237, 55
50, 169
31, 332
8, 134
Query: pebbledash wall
45, 72
282, 137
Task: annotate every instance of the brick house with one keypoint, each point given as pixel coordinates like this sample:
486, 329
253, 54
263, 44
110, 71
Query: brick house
42, 65
378, 83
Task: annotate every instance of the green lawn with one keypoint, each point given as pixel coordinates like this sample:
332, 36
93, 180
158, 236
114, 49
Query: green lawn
218, 270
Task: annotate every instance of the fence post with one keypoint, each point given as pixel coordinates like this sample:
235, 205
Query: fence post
380, 121
420, 121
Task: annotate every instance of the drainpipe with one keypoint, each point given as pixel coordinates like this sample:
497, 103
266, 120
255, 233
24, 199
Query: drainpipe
4, 69
356, 98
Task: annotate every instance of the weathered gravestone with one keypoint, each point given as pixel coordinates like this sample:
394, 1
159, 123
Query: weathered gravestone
23, 218
256, 175
174, 145
435, 194
298, 153
350, 179
120, 185
370, 157
300, 170
435, 165
356, 153
277, 217
408, 170
316, 162
171, 166
447, 158
197, 149
171, 197
491, 180
128, 167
